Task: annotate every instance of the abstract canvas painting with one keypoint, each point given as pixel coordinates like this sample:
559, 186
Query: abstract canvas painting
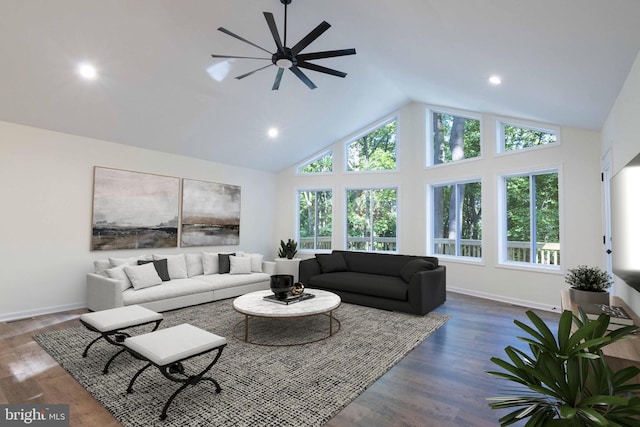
210, 214
134, 210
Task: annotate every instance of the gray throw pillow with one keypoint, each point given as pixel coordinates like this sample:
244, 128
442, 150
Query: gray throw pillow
224, 265
414, 266
161, 268
331, 263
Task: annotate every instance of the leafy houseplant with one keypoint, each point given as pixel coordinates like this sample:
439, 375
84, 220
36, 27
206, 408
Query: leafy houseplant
288, 250
588, 285
567, 381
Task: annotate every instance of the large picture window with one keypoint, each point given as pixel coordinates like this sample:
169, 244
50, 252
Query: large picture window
532, 219
453, 138
457, 219
315, 219
373, 151
371, 220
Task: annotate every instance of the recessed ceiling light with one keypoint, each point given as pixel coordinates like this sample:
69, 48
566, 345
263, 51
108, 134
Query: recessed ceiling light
87, 71
495, 80
272, 132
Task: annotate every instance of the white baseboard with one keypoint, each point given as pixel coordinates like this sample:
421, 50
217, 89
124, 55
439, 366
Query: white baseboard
19, 315
502, 298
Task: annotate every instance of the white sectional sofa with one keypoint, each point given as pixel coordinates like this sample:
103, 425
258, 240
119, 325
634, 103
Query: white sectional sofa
166, 282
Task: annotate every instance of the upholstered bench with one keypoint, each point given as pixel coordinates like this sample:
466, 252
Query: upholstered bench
167, 348
111, 325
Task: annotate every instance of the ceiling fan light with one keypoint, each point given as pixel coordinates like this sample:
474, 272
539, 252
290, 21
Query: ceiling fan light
284, 63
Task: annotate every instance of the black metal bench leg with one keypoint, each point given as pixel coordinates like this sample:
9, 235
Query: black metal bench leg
106, 367
130, 388
86, 350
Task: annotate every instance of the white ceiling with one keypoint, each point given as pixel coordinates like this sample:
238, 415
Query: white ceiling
562, 62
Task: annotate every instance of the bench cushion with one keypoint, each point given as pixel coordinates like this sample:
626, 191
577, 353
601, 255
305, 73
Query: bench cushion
169, 345
120, 317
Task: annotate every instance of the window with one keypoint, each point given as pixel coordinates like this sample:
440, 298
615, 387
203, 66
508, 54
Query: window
371, 220
315, 219
320, 164
373, 151
532, 217
511, 138
457, 219
453, 138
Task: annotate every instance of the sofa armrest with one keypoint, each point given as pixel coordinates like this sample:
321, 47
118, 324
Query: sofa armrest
269, 267
428, 289
103, 292
307, 268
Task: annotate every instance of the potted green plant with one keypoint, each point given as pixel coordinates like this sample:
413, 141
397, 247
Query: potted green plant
567, 381
288, 250
588, 285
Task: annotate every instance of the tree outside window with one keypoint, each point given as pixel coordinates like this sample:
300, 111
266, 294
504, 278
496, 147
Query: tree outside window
371, 220
374, 151
457, 219
512, 138
532, 218
455, 138
322, 164
315, 219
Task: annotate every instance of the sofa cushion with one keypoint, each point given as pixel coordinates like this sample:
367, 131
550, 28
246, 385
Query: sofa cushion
210, 263
413, 267
239, 265
375, 263
100, 265
172, 289
224, 265
256, 262
142, 276
119, 274
223, 281
194, 265
362, 283
176, 264
160, 266
330, 263
130, 261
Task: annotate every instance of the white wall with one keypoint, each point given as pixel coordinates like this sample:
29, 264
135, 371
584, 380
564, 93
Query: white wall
620, 137
46, 182
578, 157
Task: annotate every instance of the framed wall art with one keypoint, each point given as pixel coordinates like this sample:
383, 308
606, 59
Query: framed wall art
134, 210
210, 214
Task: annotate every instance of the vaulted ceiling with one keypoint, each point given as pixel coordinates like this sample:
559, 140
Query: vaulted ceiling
561, 62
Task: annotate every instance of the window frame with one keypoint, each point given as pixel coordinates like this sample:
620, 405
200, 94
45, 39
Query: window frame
502, 246
317, 157
500, 122
431, 220
297, 216
429, 111
377, 125
346, 221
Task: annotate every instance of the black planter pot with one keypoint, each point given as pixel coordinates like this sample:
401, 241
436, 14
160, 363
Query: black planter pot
281, 285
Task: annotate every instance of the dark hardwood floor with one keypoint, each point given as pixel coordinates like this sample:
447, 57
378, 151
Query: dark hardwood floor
440, 383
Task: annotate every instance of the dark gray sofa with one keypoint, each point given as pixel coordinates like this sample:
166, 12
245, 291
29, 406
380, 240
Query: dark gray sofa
407, 283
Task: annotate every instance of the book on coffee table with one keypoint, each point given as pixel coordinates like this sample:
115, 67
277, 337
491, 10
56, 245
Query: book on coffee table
291, 299
616, 313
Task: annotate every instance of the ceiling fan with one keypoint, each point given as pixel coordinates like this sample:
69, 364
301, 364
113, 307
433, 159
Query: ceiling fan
290, 57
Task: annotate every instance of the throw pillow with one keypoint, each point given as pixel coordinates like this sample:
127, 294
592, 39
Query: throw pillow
224, 264
239, 265
256, 262
161, 268
100, 265
414, 266
130, 261
210, 263
330, 263
119, 274
142, 276
176, 264
194, 265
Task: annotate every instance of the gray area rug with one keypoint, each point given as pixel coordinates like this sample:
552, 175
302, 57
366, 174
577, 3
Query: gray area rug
262, 386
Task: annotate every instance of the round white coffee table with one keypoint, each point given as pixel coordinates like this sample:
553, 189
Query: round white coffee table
254, 305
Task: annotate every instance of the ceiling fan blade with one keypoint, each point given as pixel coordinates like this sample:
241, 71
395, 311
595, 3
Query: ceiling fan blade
224, 30
251, 72
274, 30
314, 34
325, 54
276, 82
321, 69
303, 77
238, 57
